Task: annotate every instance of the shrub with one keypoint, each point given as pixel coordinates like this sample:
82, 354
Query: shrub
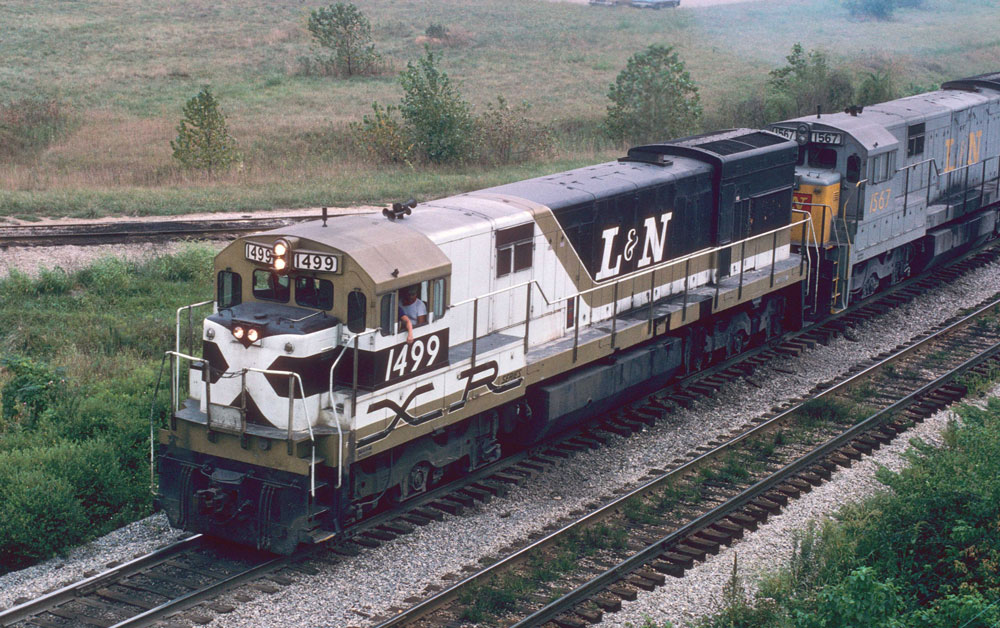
61, 494
438, 118
805, 83
381, 138
653, 98
876, 87
32, 388
506, 135
203, 140
345, 30
437, 31
30, 125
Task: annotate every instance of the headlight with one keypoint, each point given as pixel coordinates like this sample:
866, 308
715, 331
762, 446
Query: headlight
238, 332
279, 263
252, 335
280, 248
210, 333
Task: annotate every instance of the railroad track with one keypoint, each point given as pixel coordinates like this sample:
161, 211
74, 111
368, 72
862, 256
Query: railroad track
267, 575
681, 515
139, 231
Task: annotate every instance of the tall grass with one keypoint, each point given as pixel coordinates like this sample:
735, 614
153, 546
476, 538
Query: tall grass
127, 68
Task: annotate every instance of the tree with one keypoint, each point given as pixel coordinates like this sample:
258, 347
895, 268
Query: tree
438, 119
203, 140
345, 30
805, 83
653, 98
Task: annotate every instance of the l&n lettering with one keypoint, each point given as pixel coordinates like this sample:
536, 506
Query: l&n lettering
653, 247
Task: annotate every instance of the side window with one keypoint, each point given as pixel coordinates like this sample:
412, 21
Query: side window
230, 289
915, 139
387, 321
271, 286
356, 306
883, 167
514, 248
312, 292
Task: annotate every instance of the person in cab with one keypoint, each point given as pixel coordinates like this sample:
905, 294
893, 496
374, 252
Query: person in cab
412, 311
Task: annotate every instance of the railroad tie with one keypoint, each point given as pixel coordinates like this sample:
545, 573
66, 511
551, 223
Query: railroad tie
641, 583
590, 615
608, 603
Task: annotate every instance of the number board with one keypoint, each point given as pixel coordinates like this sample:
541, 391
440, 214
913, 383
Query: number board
258, 253
817, 137
306, 260
403, 361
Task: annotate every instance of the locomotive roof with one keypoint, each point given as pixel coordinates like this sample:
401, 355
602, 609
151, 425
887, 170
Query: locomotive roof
393, 253
871, 127
583, 185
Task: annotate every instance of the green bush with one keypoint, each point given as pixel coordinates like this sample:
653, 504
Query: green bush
31, 389
380, 138
61, 494
344, 29
653, 99
806, 82
438, 118
75, 399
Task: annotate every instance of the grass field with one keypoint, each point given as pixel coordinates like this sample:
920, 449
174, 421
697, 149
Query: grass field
125, 69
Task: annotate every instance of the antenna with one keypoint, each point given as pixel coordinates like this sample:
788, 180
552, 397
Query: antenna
324, 216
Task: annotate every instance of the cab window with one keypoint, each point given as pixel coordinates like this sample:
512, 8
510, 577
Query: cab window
883, 167
430, 293
387, 322
820, 157
270, 286
230, 289
356, 306
313, 292
853, 169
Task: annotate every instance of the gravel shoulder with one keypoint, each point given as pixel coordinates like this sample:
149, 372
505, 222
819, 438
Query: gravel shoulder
353, 592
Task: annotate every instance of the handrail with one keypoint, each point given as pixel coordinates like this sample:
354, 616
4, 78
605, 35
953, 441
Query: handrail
631, 276
305, 410
685, 259
177, 342
340, 434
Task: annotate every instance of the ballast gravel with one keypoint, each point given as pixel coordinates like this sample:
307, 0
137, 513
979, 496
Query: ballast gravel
699, 593
356, 591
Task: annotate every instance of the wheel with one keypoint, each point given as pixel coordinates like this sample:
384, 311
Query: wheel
416, 481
